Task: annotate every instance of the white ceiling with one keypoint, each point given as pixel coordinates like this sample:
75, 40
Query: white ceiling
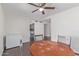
23, 9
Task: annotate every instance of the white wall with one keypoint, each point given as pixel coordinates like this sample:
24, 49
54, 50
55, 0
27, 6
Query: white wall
19, 26
1, 30
66, 23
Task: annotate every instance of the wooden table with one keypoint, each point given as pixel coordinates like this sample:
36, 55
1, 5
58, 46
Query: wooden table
50, 48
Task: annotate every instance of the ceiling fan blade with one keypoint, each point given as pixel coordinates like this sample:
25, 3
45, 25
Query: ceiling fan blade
35, 10
49, 7
43, 12
43, 4
33, 4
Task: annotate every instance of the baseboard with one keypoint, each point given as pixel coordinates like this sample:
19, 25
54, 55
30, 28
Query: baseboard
12, 48
76, 52
26, 41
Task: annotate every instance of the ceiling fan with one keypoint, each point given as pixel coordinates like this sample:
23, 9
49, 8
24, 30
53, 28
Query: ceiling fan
41, 7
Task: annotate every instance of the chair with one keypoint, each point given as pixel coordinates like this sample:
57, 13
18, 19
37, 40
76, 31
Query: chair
64, 39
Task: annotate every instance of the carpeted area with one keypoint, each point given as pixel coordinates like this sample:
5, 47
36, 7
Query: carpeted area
51, 48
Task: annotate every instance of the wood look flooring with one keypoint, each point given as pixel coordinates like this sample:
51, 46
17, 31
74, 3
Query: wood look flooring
17, 51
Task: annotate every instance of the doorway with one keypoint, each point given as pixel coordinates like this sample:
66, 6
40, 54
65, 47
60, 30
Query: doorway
47, 29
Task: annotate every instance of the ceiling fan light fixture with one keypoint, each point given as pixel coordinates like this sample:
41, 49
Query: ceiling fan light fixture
41, 9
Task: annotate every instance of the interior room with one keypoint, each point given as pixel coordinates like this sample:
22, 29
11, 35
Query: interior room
39, 29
